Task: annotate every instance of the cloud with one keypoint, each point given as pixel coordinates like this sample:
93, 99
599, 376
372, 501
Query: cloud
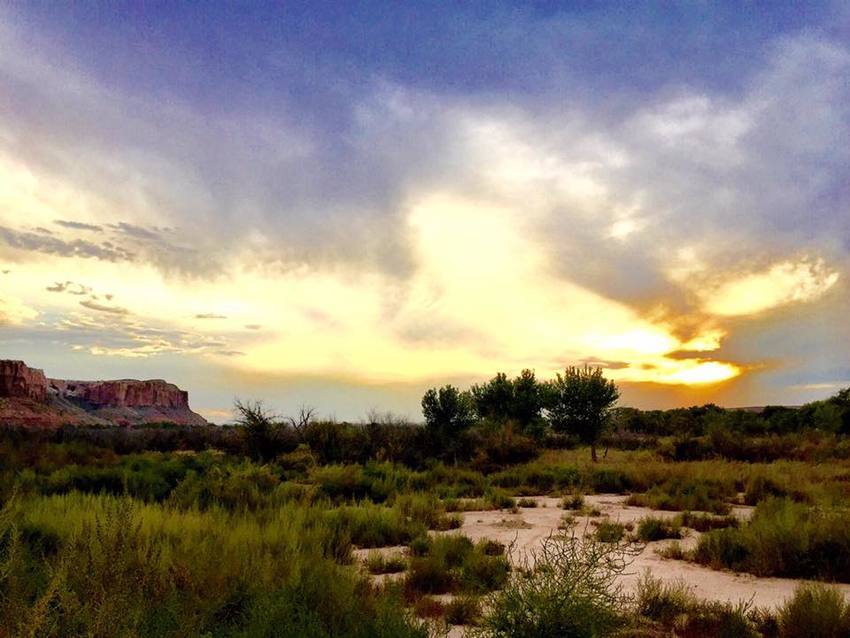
94, 305
209, 315
72, 288
137, 232
439, 233
33, 242
77, 225
781, 284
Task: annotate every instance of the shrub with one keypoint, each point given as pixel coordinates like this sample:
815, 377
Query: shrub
427, 607
567, 588
526, 502
660, 601
463, 610
574, 501
815, 611
378, 563
656, 529
452, 563
706, 522
783, 538
610, 532
680, 493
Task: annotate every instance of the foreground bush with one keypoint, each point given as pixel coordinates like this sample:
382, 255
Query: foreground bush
815, 611
567, 588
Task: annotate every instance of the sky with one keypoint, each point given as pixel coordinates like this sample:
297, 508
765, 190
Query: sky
340, 204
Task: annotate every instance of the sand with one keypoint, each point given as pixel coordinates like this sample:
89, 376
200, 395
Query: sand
530, 526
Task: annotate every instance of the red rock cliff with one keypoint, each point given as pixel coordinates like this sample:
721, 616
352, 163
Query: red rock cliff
28, 398
18, 380
125, 393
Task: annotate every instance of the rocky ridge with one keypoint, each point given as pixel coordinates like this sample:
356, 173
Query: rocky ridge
29, 398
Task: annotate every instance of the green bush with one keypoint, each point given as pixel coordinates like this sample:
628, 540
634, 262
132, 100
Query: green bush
568, 588
784, 538
655, 529
815, 611
610, 532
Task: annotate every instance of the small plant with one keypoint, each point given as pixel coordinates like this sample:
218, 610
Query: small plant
656, 529
574, 501
378, 563
568, 521
706, 522
526, 502
463, 610
610, 532
427, 607
662, 602
451, 521
674, 551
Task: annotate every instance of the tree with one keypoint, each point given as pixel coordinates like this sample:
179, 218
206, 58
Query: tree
494, 399
448, 412
580, 402
528, 403
502, 399
260, 429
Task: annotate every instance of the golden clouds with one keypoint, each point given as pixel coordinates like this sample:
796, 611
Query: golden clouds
783, 283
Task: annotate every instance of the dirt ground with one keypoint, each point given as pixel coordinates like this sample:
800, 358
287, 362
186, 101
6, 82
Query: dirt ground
528, 527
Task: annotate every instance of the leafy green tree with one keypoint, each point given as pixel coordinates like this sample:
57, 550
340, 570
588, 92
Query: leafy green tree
494, 399
448, 412
580, 402
502, 399
529, 400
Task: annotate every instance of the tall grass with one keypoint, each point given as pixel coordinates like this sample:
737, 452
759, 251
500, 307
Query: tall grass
784, 538
125, 568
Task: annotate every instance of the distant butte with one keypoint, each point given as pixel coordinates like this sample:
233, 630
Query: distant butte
29, 398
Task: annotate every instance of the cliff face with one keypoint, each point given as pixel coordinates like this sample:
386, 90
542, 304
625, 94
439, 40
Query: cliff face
20, 381
124, 393
27, 397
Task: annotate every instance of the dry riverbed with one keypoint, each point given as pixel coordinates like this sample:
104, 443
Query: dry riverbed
524, 531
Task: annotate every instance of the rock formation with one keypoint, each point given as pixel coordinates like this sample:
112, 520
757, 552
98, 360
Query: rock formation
17, 380
27, 397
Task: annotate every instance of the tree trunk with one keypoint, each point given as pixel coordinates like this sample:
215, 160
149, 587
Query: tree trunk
593, 453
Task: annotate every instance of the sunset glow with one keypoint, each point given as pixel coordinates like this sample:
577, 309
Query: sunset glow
421, 233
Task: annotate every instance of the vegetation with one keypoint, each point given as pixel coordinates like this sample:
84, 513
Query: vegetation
784, 538
580, 401
250, 529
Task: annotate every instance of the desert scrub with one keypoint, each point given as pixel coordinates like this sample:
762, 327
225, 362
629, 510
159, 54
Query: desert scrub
675, 607
526, 502
463, 610
574, 501
378, 563
783, 538
687, 494
610, 531
122, 567
566, 588
452, 563
706, 522
815, 611
652, 528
